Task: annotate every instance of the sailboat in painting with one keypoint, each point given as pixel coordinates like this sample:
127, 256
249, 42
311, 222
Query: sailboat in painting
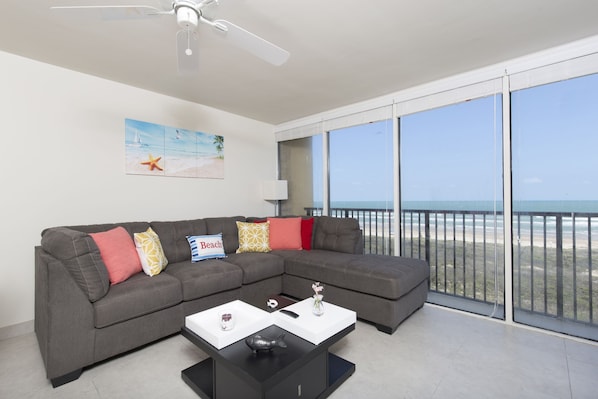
137, 139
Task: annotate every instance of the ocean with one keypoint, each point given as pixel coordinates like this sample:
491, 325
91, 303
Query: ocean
567, 206
581, 206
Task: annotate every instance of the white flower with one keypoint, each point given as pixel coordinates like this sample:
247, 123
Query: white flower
317, 288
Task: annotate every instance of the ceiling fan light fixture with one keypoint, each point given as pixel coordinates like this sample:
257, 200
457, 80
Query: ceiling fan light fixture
187, 17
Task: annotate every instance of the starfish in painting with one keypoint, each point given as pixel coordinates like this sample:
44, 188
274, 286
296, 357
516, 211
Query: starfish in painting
153, 163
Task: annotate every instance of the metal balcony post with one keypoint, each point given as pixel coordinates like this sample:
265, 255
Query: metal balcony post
427, 233
559, 266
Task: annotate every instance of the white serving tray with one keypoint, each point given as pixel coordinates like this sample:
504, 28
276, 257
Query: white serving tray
312, 328
249, 320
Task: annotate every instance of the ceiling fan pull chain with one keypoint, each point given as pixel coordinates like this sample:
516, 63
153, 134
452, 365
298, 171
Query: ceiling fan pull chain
188, 51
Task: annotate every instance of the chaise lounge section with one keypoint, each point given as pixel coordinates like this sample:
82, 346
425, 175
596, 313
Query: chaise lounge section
81, 319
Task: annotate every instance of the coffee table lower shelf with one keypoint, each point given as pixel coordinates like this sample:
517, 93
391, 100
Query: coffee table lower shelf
200, 377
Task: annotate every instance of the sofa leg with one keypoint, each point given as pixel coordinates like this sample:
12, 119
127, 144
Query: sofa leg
64, 379
385, 329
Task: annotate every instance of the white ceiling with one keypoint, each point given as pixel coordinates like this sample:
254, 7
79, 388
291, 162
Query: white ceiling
342, 51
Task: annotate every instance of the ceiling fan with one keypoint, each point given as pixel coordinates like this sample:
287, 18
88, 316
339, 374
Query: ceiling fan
189, 14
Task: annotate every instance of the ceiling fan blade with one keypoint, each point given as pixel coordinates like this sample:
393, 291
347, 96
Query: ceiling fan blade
187, 51
250, 42
206, 3
118, 11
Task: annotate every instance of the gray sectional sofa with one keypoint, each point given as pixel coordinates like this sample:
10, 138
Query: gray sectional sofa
80, 319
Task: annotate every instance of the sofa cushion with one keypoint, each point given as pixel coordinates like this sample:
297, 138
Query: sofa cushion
81, 257
228, 227
307, 229
206, 277
206, 247
257, 266
253, 237
397, 275
285, 233
384, 276
131, 227
173, 236
137, 296
337, 234
118, 253
149, 249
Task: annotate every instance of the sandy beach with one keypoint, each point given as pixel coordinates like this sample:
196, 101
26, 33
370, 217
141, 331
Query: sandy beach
204, 167
524, 239
211, 168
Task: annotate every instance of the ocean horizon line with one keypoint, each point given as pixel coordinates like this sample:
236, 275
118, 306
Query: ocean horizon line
521, 206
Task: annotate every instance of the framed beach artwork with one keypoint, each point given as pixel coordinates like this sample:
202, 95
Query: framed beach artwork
157, 150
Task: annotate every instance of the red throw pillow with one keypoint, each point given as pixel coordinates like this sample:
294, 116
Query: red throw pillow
285, 233
118, 253
307, 229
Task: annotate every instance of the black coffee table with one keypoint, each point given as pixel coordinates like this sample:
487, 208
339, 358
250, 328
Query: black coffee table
302, 370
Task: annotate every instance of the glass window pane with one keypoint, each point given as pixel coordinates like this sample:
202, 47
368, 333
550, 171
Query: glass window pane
361, 181
555, 205
301, 165
451, 202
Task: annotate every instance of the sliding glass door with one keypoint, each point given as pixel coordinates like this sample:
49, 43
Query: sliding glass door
361, 181
451, 201
555, 206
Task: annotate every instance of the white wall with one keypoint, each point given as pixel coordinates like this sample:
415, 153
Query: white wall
62, 158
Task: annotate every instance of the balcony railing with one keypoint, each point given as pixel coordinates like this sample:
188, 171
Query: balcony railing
555, 266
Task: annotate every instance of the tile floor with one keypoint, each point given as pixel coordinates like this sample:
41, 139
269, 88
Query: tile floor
436, 353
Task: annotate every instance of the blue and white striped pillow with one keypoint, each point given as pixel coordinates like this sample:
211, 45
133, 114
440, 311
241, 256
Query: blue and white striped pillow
206, 247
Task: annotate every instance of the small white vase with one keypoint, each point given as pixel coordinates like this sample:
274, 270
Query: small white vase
227, 320
318, 307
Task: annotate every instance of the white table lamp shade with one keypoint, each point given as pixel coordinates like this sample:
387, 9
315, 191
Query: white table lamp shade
275, 190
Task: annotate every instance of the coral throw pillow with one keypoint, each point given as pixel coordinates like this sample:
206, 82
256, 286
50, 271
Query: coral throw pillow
150, 252
118, 253
285, 233
307, 229
253, 237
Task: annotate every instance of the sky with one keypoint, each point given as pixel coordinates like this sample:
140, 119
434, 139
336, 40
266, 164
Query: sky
361, 163
555, 141
454, 153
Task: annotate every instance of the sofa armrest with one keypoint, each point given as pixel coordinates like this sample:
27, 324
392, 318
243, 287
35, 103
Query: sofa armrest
359, 245
64, 322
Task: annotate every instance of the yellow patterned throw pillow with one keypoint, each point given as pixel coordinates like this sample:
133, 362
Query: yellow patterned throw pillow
149, 248
253, 237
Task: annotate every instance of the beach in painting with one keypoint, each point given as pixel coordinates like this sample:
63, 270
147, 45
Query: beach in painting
165, 151
207, 167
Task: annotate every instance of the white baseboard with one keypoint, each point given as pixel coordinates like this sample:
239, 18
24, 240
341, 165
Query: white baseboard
16, 329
